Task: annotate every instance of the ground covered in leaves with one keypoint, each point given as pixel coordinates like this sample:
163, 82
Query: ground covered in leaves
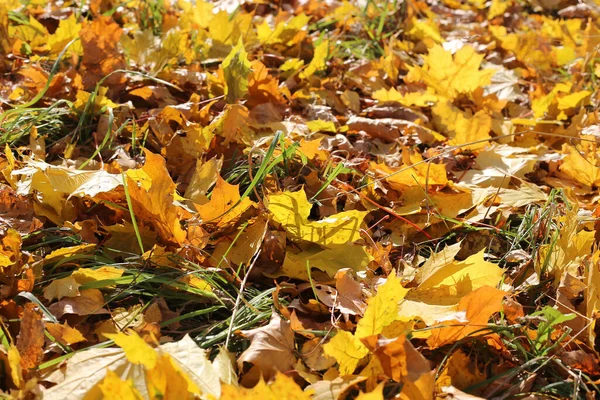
299, 199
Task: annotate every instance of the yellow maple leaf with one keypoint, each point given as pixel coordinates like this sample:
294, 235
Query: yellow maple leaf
460, 371
451, 75
375, 394
64, 333
136, 349
561, 96
64, 253
283, 387
420, 99
318, 61
88, 275
348, 351
329, 260
153, 203
68, 29
236, 68
225, 205
113, 387
582, 169
100, 101
471, 132
447, 283
10, 249
414, 172
167, 381
291, 210
382, 309
288, 33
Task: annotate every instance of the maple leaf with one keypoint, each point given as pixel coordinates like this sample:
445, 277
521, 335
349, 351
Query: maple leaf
347, 349
113, 386
451, 75
478, 306
271, 347
236, 69
580, 168
152, 194
446, 283
318, 61
382, 309
329, 260
225, 205
291, 210
415, 172
101, 56
282, 387
463, 128
10, 249
65, 334
178, 362
68, 29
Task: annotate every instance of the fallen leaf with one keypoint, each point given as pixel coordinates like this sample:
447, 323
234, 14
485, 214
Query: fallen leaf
236, 69
292, 209
382, 309
136, 349
329, 261
59, 288
450, 75
282, 387
65, 334
271, 348
89, 301
225, 205
451, 282
154, 203
114, 387
477, 306
347, 349
30, 342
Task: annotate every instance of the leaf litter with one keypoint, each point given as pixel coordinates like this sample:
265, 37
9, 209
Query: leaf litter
300, 199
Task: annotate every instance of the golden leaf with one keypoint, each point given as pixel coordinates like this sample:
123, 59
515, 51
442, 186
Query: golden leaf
136, 349
65, 334
113, 387
154, 204
236, 68
414, 172
283, 387
291, 210
451, 75
582, 169
347, 349
447, 283
318, 61
382, 309
477, 306
225, 206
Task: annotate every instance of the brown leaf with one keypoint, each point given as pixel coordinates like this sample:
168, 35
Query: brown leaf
90, 301
271, 348
30, 341
101, 56
398, 358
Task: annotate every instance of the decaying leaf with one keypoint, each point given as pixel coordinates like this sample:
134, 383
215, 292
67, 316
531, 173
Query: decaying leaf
271, 347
